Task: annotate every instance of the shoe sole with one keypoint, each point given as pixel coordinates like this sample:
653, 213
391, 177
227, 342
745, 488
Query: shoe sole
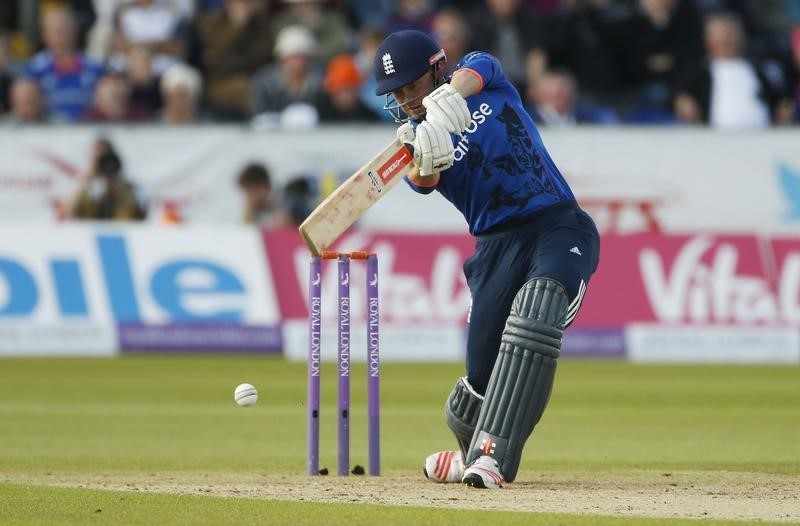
474, 480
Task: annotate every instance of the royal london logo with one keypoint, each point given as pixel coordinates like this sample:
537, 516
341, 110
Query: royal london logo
388, 65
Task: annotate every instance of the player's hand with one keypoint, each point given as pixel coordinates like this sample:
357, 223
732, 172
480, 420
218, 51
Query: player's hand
433, 149
405, 133
446, 107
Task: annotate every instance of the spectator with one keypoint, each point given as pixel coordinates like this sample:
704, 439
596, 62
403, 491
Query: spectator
145, 91
773, 19
295, 79
185, 9
156, 25
104, 193
795, 71
555, 102
260, 206
342, 84
66, 76
451, 31
205, 6
329, 27
370, 13
660, 41
580, 39
543, 7
13, 23
181, 87
412, 14
368, 42
760, 19
727, 90
510, 33
299, 198
27, 104
235, 41
6, 78
85, 18
112, 102
83, 15
99, 38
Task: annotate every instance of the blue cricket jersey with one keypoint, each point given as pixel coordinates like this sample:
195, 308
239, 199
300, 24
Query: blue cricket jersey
502, 170
67, 93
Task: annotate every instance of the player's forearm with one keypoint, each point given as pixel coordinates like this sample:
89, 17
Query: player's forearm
466, 82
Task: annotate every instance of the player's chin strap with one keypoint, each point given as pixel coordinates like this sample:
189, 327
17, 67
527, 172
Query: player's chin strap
523, 374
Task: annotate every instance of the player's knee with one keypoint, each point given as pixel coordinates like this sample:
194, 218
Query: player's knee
538, 316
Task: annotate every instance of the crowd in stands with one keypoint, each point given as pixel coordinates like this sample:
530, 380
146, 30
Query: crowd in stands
105, 192
297, 63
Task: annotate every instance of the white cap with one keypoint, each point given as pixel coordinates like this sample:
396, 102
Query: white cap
295, 40
299, 116
181, 75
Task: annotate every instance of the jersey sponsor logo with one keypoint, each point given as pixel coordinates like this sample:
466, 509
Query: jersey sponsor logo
478, 117
388, 65
392, 167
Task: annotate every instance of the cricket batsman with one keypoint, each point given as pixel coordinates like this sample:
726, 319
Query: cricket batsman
535, 248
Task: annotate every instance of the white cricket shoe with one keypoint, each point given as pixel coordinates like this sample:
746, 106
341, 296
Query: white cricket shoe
483, 473
444, 466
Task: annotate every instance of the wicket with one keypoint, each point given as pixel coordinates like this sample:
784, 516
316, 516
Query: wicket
343, 361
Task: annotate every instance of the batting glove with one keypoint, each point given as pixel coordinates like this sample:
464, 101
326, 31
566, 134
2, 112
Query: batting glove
405, 133
446, 107
433, 149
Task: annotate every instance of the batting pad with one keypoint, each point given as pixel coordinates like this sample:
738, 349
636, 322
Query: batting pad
461, 412
522, 378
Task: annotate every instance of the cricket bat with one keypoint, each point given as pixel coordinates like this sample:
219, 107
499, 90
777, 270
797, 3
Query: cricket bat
345, 205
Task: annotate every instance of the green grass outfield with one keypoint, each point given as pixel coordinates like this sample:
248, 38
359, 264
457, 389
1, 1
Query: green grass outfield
144, 415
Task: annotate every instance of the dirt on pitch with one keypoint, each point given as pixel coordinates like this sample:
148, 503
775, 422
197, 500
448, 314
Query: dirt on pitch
697, 494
